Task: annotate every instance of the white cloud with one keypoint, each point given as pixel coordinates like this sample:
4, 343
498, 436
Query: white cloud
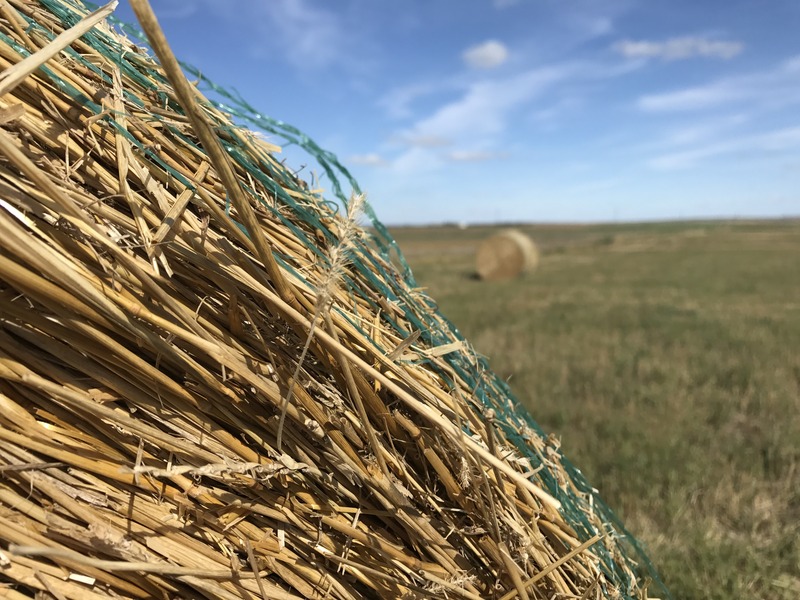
587, 20
421, 140
183, 10
485, 106
774, 141
398, 101
488, 55
551, 116
679, 48
311, 36
593, 25
792, 65
416, 161
307, 34
473, 155
764, 89
473, 122
370, 160
696, 98
704, 130
781, 139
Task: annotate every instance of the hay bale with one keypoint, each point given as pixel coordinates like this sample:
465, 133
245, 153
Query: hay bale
506, 255
214, 384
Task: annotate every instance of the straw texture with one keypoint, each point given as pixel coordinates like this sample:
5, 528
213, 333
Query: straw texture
211, 381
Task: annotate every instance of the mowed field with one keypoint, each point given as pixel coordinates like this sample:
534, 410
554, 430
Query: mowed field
666, 357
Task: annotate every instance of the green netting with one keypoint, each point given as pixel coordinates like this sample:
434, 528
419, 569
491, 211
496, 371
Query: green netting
395, 284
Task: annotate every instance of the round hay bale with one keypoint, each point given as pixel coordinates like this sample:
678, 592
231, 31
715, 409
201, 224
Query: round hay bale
210, 379
506, 255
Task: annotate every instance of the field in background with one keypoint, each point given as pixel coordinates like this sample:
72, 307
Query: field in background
667, 359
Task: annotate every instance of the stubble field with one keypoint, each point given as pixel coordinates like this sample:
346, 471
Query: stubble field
666, 357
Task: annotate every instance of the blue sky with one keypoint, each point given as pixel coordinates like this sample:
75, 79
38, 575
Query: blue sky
523, 110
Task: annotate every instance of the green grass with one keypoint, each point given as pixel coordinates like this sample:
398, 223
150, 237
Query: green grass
666, 357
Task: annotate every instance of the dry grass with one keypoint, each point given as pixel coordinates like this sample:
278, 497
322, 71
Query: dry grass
664, 357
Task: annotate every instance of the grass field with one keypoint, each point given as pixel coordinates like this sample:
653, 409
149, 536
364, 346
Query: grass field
667, 359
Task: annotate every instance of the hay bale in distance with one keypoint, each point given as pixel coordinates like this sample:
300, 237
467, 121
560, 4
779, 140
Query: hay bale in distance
506, 255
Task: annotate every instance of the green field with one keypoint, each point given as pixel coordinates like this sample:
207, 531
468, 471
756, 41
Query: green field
667, 359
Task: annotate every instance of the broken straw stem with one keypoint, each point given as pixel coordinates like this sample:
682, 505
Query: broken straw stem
211, 144
427, 412
13, 76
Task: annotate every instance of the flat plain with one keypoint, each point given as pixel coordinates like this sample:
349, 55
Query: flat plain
666, 357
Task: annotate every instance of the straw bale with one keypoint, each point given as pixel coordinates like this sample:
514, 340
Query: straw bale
214, 383
506, 255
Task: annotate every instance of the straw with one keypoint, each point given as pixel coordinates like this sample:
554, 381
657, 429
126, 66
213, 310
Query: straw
215, 383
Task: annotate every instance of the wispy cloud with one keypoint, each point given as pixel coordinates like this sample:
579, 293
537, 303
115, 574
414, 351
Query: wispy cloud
550, 116
309, 35
183, 10
471, 127
776, 87
370, 160
792, 65
488, 55
485, 106
399, 100
705, 130
590, 19
696, 98
422, 140
680, 48
471, 156
593, 25
417, 161
774, 141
